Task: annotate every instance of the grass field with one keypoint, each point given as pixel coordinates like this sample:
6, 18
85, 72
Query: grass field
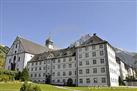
45, 87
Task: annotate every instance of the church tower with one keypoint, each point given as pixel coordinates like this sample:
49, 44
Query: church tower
49, 43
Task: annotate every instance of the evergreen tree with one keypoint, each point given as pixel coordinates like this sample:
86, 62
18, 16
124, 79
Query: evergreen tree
25, 75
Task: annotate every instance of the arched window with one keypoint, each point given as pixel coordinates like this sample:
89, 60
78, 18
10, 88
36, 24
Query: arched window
14, 59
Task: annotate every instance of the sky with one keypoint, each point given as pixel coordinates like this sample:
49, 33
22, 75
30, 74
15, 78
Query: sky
67, 20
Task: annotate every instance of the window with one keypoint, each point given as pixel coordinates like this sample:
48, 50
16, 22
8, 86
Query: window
53, 73
9, 60
94, 70
70, 59
15, 52
80, 80
70, 73
31, 69
16, 45
80, 63
101, 46
31, 75
93, 54
101, 53
44, 68
58, 74
14, 59
39, 63
80, 55
64, 59
88, 80
35, 68
35, 75
87, 62
36, 63
94, 62
102, 70
64, 73
18, 59
103, 80
58, 66
64, 80
93, 47
101, 61
58, 60
86, 55
95, 80
43, 74
53, 61
86, 48
64, 65
39, 75
53, 66
58, 80
70, 65
39, 68
87, 71
80, 72
80, 49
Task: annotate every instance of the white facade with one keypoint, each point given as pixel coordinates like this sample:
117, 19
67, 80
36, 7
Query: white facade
91, 64
89, 67
16, 54
19, 54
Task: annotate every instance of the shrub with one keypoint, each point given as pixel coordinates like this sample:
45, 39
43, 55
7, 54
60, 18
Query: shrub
29, 87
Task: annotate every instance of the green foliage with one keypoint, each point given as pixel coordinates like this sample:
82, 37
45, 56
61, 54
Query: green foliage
25, 75
3, 52
29, 87
6, 75
18, 75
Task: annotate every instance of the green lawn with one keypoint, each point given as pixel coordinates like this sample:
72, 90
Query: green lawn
45, 87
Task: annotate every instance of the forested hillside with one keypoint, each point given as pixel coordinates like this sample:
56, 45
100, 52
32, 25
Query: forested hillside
3, 51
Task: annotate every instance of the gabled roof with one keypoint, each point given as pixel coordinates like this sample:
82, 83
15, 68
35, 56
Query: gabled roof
56, 54
93, 40
32, 47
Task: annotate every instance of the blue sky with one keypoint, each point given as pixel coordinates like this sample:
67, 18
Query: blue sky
67, 20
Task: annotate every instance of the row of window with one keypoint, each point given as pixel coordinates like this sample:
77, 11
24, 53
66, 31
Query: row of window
93, 47
81, 81
93, 54
14, 59
95, 80
59, 66
102, 61
54, 61
64, 73
94, 70
63, 60
37, 68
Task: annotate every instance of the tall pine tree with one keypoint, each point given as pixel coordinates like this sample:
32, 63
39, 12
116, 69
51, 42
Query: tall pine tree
25, 75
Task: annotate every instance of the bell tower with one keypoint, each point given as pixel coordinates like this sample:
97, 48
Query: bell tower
49, 43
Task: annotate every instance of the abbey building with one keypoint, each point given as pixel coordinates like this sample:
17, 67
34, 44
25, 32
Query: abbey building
90, 61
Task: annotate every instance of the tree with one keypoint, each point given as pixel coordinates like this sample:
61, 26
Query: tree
121, 82
18, 75
25, 75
